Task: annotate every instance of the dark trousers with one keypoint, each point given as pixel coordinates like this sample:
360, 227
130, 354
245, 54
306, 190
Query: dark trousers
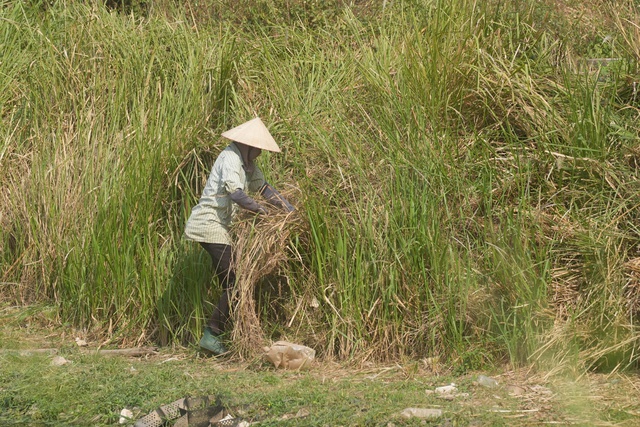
221, 256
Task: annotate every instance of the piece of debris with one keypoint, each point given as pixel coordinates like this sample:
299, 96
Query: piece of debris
539, 389
514, 411
447, 389
304, 412
447, 392
59, 361
128, 352
229, 421
514, 390
487, 382
287, 355
424, 413
125, 416
453, 396
190, 411
81, 342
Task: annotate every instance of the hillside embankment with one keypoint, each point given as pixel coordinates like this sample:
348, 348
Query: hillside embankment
465, 174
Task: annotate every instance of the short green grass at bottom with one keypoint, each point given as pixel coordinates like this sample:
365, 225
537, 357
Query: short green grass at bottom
92, 389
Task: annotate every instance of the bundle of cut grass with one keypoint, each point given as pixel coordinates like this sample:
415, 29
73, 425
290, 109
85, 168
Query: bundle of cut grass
261, 251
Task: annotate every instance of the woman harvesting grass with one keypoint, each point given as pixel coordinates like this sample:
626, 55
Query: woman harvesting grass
233, 173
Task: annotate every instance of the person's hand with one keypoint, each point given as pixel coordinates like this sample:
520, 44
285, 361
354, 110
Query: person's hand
276, 199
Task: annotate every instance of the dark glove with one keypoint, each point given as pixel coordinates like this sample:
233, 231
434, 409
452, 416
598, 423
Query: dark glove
275, 198
246, 202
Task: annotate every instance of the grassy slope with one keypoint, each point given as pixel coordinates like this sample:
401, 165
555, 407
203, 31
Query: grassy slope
467, 190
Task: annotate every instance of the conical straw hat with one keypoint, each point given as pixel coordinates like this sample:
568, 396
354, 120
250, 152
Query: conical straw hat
253, 133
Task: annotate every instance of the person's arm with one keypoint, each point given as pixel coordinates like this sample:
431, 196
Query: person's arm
275, 198
246, 202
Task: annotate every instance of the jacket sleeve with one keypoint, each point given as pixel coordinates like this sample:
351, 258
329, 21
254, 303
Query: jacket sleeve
246, 202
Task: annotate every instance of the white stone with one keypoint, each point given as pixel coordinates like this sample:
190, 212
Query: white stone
59, 361
447, 389
424, 413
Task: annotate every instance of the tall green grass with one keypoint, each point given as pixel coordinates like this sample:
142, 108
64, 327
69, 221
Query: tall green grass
111, 108
470, 189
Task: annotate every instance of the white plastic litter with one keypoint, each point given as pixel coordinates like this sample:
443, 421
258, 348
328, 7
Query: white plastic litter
287, 355
488, 382
125, 416
447, 389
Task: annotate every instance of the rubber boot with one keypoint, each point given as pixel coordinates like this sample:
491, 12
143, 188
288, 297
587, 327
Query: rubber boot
212, 343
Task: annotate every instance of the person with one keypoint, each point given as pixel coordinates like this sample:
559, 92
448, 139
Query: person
232, 175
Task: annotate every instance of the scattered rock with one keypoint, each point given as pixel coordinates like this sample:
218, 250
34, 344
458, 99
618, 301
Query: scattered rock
424, 413
304, 412
59, 361
447, 389
514, 390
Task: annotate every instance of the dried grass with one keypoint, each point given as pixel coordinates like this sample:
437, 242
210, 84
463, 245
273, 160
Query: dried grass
16, 280
632, 287
262, 248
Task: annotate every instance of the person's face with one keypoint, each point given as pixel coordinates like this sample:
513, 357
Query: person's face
254, 153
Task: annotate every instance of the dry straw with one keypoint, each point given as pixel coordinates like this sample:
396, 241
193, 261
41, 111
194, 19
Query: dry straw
262, 249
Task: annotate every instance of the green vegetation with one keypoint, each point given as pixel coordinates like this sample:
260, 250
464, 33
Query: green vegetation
91, 389
467, 178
